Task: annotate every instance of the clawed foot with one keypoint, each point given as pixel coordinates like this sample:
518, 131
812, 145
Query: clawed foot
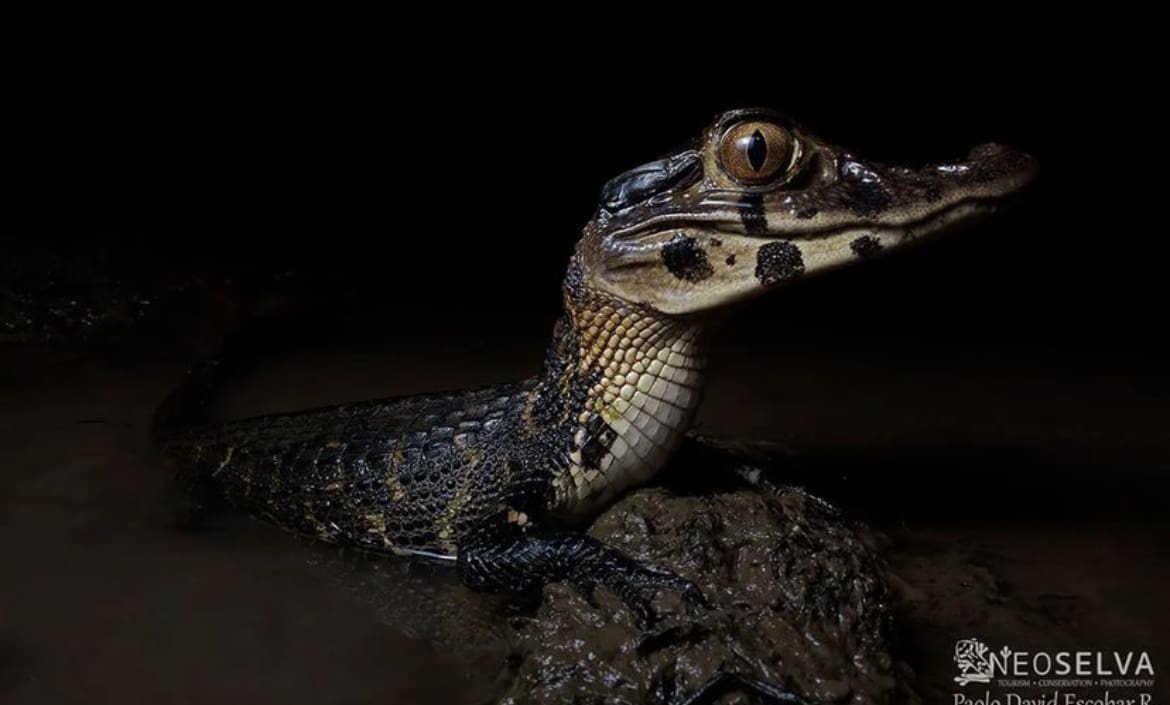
526, 563
637, 586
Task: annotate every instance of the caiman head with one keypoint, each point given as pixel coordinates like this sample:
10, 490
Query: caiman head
759, 202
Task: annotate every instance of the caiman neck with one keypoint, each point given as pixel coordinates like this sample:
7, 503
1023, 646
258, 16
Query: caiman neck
619, 390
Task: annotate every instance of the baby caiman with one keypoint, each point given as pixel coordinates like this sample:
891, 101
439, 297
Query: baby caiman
487, 478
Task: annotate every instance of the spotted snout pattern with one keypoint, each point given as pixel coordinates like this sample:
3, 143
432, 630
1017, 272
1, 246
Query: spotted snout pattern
777, 261
686, 259
866, 246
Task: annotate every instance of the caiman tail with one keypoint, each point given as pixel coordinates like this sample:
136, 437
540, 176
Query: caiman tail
187, 490
188, 403
260, 313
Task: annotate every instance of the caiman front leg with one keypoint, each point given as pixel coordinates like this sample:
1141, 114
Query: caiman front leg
520, 562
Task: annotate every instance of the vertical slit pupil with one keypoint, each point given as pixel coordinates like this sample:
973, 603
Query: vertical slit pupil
757, 151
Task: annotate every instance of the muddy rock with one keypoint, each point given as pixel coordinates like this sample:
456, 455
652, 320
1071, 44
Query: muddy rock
800, 600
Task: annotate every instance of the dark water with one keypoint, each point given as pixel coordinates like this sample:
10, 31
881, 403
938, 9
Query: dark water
1021, 485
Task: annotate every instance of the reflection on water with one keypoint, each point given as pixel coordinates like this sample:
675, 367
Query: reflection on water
421, 600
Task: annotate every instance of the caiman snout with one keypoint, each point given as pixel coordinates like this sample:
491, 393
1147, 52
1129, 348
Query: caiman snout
992, 162
898, 196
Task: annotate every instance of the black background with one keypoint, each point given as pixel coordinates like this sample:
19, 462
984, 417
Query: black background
474, 179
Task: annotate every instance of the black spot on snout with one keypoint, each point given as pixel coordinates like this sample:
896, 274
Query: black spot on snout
777, 261
685, 258
866, 246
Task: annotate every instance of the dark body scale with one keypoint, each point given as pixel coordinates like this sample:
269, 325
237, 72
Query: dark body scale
419, 473
395, 474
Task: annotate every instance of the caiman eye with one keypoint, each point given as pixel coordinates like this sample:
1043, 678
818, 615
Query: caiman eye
753, 152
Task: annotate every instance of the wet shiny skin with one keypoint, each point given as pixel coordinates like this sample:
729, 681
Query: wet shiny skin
482, 477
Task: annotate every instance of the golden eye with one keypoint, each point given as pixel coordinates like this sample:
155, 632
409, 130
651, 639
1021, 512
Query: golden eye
754, 152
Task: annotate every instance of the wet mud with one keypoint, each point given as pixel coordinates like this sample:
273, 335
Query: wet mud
799, 599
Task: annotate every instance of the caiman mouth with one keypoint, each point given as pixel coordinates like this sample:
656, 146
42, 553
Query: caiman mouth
717, 223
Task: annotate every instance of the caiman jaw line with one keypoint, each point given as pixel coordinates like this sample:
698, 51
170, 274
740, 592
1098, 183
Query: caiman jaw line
718, 225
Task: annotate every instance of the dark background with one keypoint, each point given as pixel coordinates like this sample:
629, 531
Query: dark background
480, 176
417, 200
1002, 396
